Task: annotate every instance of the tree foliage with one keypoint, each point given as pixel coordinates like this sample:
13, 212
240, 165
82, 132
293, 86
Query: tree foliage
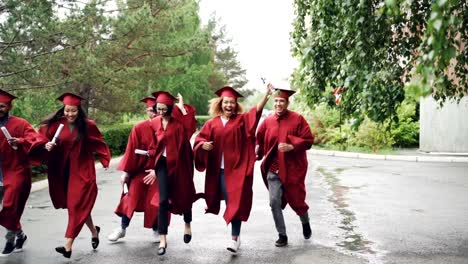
374, 48
110, 57
230, 72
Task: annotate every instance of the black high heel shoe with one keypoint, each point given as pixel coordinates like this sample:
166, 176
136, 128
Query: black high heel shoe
187, 238
162, 250
95, 240
63, 251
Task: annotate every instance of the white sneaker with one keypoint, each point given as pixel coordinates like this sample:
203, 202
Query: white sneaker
116, 234
233, 245
156, 238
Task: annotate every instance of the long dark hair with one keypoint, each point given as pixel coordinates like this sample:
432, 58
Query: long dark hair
80, 121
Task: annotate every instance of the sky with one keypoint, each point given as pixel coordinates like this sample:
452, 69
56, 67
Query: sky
259, 30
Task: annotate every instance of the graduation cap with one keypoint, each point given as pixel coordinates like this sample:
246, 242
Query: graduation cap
70, 99
283, 93
164, 97
6, 97
228, 91
149, 101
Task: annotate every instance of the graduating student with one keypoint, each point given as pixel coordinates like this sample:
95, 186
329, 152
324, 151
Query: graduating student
173, 128
283, 139
15, 173
225, 148
135, 168
71, 171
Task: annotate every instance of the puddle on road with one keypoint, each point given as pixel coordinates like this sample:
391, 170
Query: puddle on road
353, 242
361, 167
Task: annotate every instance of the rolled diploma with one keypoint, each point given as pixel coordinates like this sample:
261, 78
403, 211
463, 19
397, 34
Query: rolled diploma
125, 188
57, 133
141, 152
8, 136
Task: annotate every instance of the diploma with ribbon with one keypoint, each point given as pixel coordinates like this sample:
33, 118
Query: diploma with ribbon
141, 152
8, 136
57, 133
266, 81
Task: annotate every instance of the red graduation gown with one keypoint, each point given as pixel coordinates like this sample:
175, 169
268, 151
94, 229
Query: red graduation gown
16, 168
188, 121
138, 198
293, 129
80, 194
237, 141
179, 158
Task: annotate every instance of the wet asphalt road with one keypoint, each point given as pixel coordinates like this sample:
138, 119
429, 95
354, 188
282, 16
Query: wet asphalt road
362, 211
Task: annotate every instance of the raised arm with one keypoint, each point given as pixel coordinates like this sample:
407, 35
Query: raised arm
265, 98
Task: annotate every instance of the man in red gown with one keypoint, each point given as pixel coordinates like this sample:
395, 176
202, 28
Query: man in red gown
135, 168
15, 173
283, 139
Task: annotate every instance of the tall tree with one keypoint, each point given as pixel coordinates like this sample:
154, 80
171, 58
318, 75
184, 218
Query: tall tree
226, 63
112, 58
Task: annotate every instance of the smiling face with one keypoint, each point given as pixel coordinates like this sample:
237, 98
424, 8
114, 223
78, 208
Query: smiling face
161, 109
228, 106
150, 112
281, 105
70, 112
4, 109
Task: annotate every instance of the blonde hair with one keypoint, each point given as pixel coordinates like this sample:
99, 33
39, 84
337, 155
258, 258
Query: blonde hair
215, 109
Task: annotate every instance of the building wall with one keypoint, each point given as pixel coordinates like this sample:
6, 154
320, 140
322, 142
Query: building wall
443, 129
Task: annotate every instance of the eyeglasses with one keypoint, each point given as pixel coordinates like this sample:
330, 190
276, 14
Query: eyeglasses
163, 110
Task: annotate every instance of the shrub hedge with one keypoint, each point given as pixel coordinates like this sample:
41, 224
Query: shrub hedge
201, 119
116, 137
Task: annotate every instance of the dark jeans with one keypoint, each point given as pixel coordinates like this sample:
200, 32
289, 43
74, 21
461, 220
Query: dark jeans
163, 181
125, 222
235, 223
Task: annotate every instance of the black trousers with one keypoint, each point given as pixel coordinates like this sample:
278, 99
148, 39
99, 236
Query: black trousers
163, 213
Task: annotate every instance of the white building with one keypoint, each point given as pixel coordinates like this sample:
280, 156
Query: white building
443, 129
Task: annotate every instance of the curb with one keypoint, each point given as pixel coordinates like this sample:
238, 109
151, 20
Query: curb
42, 184
413, 158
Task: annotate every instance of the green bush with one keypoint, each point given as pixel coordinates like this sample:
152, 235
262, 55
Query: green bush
406, 132
323, 123
39, 172
373, 135
116, 137
201, 119
402, 132
339, 136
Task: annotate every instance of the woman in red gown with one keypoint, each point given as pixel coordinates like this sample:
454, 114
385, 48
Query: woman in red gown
71, 170
225, 148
